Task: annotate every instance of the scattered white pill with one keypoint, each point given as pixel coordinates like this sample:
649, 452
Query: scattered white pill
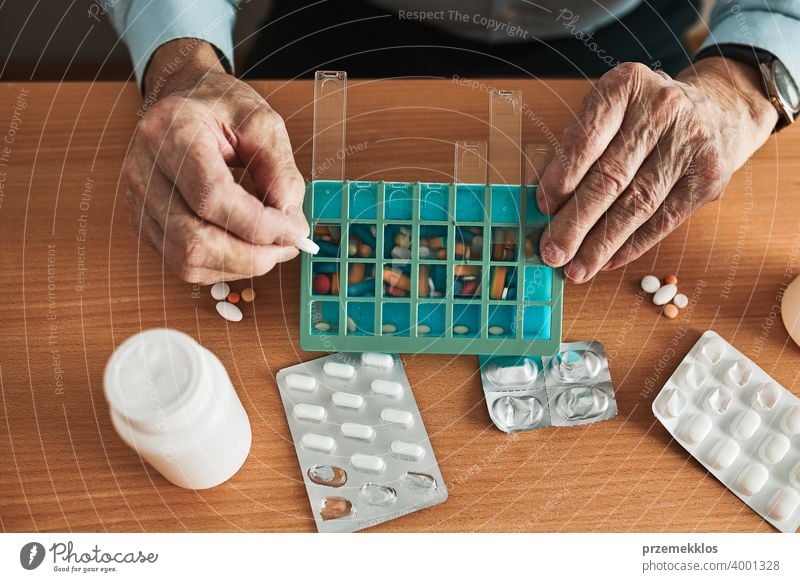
347, 400
307, 246
401, 253
745, 424
680, 300
496, 330
229, 311
220, 291
751, 479
523, 373
302, 382
369, 463
790, 423
783, 504
399, 417
318, 442
650, 284
388, 328
354, 430
407, 451
377, 360
305, 411
339, 370
423, 329
740, 373
386, 387
696, 428
672, 402
767, 396
322, 326
665, 294
460, 329
723, 454
774, 448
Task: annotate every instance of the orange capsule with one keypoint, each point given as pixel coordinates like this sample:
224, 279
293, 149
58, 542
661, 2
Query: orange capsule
498, 282
498, 252
320, 230
466, 271
442, 253
670, 280
356, 274
364, 250
461, 250
233, 297
422, 283
396, 279
436, 242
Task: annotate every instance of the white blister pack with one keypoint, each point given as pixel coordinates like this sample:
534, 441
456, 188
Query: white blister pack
360, 441
528, 392
740, 424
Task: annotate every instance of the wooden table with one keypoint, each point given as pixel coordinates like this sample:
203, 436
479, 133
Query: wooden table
78, 283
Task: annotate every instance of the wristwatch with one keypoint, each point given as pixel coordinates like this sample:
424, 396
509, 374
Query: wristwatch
780, 87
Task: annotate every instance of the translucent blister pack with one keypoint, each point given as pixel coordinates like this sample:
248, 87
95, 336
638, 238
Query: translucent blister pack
570, 388
740, 424
360, 441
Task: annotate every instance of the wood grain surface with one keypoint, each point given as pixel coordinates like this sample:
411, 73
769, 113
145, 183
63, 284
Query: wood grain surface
78, 283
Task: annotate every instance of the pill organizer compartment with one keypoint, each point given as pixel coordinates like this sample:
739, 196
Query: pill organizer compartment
739, 424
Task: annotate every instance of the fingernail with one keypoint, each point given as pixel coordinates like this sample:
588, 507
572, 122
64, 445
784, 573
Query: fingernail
576, 272
307, 246
553, 255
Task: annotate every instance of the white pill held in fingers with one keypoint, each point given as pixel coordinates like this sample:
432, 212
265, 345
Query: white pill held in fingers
318, 442
407, 451
696, 428
369, 463
650, 284
305, 411
347, 400
751, 479
783, 504
220, 291
302, 382
723, 454
386, 387
357, 431
377, 360
790, 423
339, 370
665, 294
398, 417
774, 448
229, 311
746, 424
307, 246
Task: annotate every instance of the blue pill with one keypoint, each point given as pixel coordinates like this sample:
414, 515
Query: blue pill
366, 287
327, 249
465, 235
363, 233
326, 267
428, 231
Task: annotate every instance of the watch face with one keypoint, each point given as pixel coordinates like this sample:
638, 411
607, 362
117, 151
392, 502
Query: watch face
787, 89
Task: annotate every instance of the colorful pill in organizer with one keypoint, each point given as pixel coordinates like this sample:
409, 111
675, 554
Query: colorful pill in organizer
424, 267
360, 441
738, 423
571, 388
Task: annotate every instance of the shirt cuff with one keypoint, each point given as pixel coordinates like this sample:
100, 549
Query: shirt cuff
151, 23
771, 32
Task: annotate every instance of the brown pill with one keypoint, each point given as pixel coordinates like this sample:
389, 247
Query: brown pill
670, 311
335, 508
248, 295
670, 280
233, 297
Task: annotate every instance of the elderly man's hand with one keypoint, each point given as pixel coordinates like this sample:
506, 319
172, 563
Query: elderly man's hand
644, 153
181, 192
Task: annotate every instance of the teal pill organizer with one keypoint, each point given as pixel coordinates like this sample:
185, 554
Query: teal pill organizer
400, 270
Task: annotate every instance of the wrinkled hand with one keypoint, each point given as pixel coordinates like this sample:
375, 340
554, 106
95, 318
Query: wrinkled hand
182, 194
644, 153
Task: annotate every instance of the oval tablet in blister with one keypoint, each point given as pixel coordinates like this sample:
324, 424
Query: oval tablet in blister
358, 431
745, 424
774, 448
407, 451
723, 453
386, 387
379, 495
751, 479
581, 403
376, 360
347, 400
397, 417
575, 365
318, 442
517, 412
369, 463
305, 411
302, 382
790, 422
339, 370
783, 504
696, 428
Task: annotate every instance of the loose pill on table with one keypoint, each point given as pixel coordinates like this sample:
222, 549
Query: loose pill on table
220, 291
670, 280
301, 382
399, 417
339, 370
347, 400
665, 294
460, 329
751, 479
229, 311
377, 360
354, 430
650, 284
307, 246
670, 311
369, 463
305, 411
386, 387
248, 295
783, 504
745, 424
407, 451
723, 454
680, 300
790, 422
318, 442
322, 326
696, 428
774, 448
234, 297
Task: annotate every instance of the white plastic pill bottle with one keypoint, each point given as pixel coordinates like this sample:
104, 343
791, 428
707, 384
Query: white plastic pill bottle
173, 402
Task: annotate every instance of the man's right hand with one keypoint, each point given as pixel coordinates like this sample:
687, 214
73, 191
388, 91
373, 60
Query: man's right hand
199, 122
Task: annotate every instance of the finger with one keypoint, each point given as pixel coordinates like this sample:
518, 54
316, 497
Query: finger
598, 121
264, 147
641, 199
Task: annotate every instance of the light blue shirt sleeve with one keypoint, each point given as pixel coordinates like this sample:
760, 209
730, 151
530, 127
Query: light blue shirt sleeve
770, 25
145, 25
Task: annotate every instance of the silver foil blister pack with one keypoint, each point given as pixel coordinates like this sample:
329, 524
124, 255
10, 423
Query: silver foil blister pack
740, 424
570, 388
360, 441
